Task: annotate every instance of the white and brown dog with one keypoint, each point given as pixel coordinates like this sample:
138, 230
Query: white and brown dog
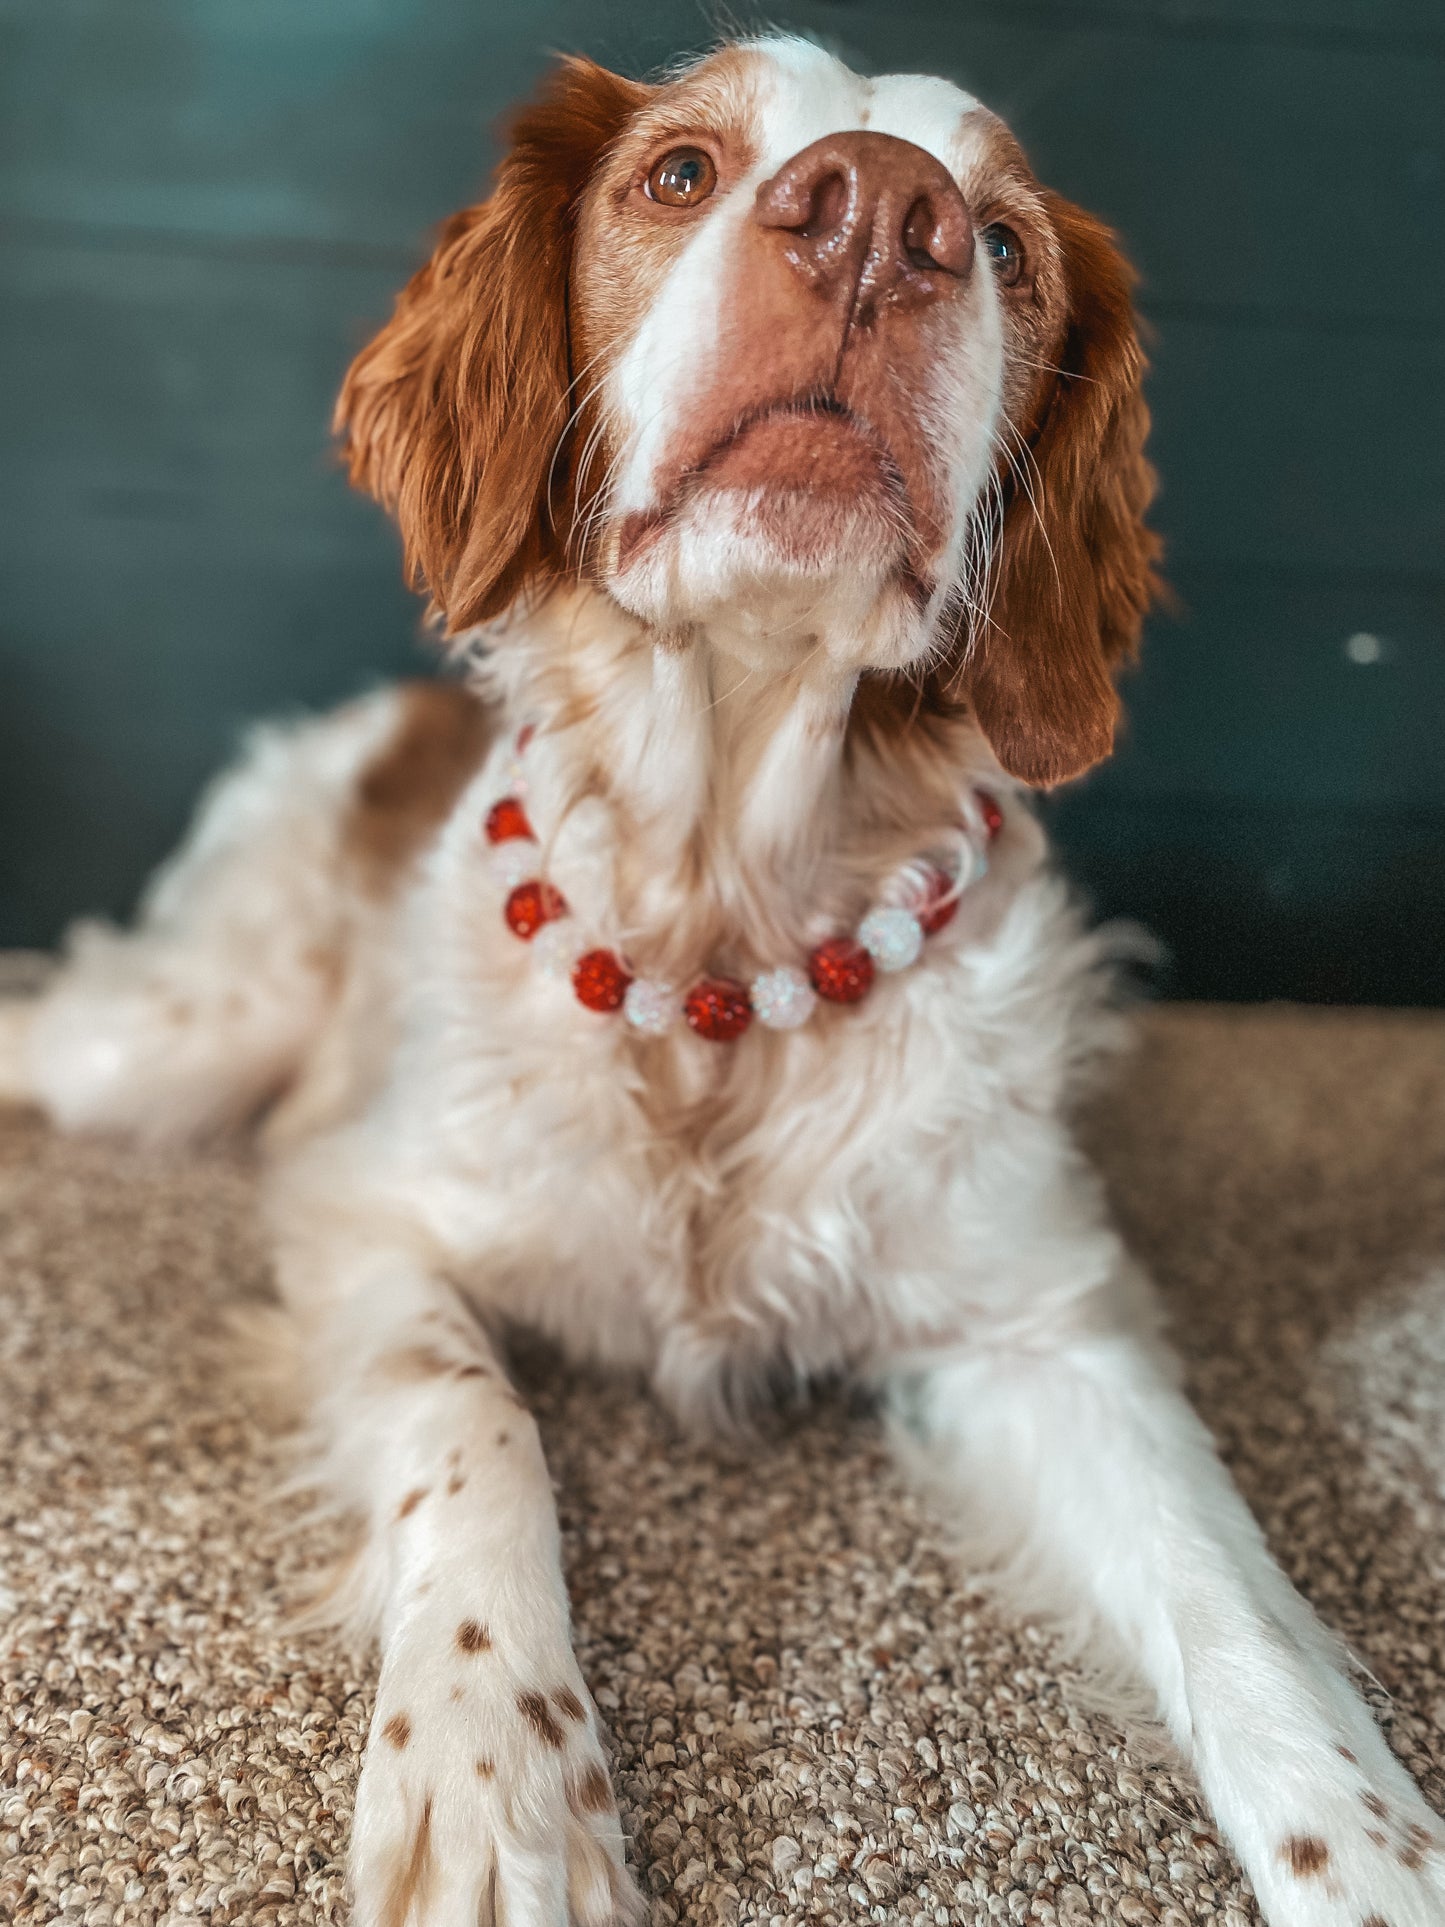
689, 985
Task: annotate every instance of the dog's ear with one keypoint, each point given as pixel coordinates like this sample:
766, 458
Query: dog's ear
452, 417
1075, 562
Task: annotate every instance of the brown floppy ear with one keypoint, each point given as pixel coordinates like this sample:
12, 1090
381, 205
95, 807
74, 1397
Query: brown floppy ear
453, 415
1075, 572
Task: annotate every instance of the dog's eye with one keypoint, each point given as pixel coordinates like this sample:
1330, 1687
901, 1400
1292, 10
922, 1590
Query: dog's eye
682, 178
1005, 250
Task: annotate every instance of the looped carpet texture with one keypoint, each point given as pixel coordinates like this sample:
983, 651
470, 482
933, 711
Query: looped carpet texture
815, 1718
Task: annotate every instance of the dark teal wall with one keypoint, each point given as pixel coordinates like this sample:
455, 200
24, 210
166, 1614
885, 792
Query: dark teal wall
204, 204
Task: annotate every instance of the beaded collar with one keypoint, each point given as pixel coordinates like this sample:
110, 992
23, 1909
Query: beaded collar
917, 903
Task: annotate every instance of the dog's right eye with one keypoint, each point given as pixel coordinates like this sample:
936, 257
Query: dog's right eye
1005, 250
682, 178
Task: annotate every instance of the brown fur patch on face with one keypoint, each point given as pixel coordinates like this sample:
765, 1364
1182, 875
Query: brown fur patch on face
1375, 1837
398, 1731
1419, 1836
1306, 1854
566, 1701
413, 1878
535, 1711
1345, 1754
486, 1769
412, 1500
626, 244
1374, 1920
592, 1793
474, 1637
1376, 1805
408, 789
1412, 1858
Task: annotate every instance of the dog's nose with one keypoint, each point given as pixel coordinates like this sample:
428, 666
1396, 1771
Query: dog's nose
871, 215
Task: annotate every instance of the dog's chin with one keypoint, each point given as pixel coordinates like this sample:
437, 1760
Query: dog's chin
780, 559
785, 531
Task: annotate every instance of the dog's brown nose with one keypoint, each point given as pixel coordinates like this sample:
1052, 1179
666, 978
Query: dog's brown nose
870, 216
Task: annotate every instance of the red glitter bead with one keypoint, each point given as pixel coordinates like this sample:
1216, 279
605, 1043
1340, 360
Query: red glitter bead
531, 905
718, 1008
841, 971
938, 908
600, 980
506, 821
989, 810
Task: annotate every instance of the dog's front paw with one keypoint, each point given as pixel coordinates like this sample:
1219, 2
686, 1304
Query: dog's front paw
1366, 1858
485, 1797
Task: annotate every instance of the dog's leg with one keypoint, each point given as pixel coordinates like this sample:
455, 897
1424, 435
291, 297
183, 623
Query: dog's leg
485, 1795
1069, 1459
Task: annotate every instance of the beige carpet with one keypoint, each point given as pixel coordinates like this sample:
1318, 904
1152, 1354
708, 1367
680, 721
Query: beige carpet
814, 1720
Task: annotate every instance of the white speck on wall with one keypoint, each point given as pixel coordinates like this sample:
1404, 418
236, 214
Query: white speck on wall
1363, 648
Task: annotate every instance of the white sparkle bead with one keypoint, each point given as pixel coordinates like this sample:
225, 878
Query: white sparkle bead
557, 946
892, 938
782, 999
515, 777
513, 861
651, 1007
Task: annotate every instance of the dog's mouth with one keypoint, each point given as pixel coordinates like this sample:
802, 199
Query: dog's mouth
814, 443
806, 457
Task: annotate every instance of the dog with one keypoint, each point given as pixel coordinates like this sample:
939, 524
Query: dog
687, 981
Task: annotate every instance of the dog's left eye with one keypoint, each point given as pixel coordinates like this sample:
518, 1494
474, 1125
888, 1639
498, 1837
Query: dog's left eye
1005, 250
682, 178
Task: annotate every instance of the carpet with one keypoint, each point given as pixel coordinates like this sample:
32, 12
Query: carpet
815, 1719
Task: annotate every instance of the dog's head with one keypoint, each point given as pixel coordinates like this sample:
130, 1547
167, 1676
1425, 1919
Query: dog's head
793, 358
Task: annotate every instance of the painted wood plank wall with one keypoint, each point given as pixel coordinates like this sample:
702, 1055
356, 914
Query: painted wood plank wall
205, 203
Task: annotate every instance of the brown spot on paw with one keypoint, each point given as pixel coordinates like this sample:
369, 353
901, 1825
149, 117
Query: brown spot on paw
455, 1484
504, 1438
566, 1701
412, 1879
1419, 1836
412, 1363
1345, 1754
1412, 1858
592, 1793
1306, 1854
537, 1713
412, 1500
1374, 1804
398, 1730
1375, 1837
474, 1637
1374, 1920
486, 1769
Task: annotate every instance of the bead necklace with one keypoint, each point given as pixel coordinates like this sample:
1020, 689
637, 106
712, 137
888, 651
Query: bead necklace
840, 970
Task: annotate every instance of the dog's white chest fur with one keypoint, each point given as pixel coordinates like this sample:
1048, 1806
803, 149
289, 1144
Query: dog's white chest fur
725, 1214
